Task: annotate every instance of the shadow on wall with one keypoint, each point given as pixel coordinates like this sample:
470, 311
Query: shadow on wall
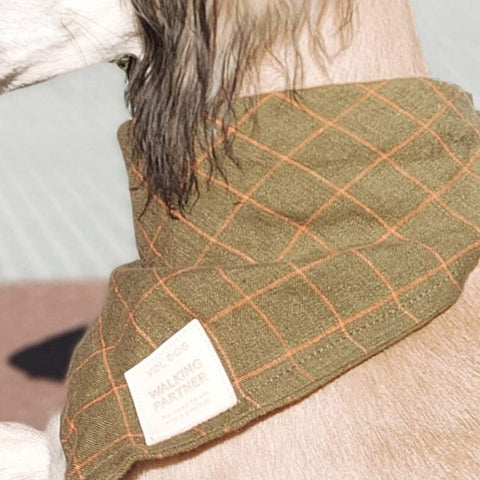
48, 359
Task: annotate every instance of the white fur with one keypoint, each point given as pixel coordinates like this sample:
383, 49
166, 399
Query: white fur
24, 453
43, 38
29, 454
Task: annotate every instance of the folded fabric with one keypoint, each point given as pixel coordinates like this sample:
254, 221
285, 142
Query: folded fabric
352, 221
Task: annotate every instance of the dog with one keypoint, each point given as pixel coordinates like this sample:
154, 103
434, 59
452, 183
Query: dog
411, 411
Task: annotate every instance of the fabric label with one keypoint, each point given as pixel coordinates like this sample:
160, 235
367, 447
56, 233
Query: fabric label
180, 385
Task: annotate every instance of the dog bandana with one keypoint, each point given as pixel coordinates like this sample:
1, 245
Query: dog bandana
352, 221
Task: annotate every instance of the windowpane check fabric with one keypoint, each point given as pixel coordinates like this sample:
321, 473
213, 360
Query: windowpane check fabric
352, 222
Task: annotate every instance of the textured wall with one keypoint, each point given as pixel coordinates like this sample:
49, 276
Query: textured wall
450, 35
64, 208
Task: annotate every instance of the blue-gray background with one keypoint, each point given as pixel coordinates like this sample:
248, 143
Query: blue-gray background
64, 207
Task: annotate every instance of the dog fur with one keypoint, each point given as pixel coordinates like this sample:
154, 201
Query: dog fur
43, 38
410, 412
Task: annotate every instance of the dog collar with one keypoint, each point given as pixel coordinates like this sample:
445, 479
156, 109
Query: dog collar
352, 222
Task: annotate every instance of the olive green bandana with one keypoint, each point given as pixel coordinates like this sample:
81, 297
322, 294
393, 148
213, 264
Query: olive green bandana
352, 222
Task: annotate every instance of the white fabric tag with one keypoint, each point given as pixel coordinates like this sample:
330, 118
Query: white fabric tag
180, 385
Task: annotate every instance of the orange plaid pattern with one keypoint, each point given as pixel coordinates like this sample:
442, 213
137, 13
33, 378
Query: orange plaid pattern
352, 222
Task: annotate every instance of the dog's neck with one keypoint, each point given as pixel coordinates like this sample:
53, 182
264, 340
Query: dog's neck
384, 45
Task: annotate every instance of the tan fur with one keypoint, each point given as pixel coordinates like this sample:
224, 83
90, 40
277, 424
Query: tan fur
382, 43
411, 412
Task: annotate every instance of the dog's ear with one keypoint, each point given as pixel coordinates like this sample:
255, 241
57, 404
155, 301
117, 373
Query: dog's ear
169, 92
197, 55
181, 92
